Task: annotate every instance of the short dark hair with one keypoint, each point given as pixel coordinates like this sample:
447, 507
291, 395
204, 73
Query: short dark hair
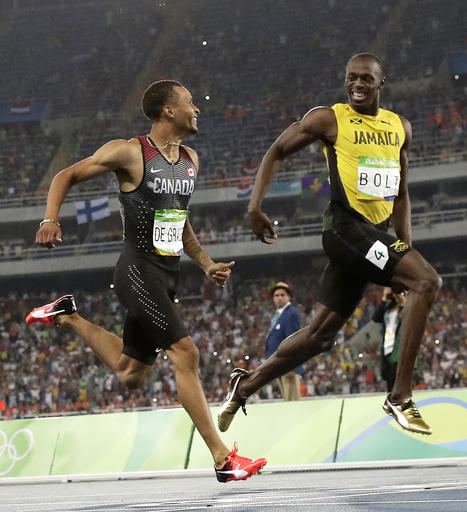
156, 96
370, 56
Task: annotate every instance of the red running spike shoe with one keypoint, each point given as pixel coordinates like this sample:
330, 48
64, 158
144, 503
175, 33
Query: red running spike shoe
47, 314
238, 468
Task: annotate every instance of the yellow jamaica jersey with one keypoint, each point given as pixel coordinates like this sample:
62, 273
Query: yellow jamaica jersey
364, 162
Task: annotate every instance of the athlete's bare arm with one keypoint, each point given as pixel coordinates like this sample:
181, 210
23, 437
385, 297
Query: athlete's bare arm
218, 272
401, 214
193, 249
119, 156
318, 124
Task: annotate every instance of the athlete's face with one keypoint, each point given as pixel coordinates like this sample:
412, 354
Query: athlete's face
185, 112
280, 298
363, 81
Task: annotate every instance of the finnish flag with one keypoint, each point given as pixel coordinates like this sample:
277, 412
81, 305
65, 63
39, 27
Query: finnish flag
92, 209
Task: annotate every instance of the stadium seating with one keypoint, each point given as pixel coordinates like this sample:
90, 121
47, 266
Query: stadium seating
286, 68
45, 370
253, 68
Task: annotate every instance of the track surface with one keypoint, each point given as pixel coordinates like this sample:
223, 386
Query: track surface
431, 489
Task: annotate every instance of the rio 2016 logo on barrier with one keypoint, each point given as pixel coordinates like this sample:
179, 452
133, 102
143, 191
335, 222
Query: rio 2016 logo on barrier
12, 450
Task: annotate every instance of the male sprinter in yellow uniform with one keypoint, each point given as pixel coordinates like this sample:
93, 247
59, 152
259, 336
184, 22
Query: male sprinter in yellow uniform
366, 148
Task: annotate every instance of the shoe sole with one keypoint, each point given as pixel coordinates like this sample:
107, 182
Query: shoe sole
222, 422
225, 426
255, 472
45, 318
49, 318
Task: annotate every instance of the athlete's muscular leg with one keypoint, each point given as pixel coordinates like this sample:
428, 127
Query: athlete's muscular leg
185, 358
424, 283
108, 348
295, 350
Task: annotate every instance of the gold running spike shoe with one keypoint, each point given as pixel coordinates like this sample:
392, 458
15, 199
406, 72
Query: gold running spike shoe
407, 415
232, 402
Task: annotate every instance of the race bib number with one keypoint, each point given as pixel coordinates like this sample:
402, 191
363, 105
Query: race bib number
378, 178
378, 254
167, 234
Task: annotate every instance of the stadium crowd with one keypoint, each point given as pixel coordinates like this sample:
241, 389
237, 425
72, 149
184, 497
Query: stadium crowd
26, 152
297, 216
89, 71
244, 112
46, 370
227, 154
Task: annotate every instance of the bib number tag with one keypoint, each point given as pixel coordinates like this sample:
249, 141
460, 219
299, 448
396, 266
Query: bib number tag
378, 178
167, 233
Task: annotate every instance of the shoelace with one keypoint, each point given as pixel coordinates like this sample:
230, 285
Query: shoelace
409, 404
234, 451
233, 457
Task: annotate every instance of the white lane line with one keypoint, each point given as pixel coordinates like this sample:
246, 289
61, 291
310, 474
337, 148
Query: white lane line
214, 504
252, 506
138, 495
393, 502
281, 500
281, 504
268, 496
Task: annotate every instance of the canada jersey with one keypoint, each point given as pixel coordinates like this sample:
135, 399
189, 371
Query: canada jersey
364, 162
155, 212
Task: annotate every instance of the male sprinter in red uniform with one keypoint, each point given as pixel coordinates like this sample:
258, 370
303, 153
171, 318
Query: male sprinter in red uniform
157, 176
366, 148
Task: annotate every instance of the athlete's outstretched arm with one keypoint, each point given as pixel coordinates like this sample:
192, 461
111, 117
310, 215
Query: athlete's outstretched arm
401, 214
218, 272
110, 157
317, 124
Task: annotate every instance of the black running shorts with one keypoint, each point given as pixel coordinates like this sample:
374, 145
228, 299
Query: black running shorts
147, 291
359, 253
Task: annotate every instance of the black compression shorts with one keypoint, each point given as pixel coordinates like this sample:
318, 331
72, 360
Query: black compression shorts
359, 253
147, 291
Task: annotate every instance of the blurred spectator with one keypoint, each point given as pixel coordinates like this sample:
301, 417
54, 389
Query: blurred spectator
389, 315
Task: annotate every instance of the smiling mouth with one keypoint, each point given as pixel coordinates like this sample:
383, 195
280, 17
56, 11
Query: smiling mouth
358, 95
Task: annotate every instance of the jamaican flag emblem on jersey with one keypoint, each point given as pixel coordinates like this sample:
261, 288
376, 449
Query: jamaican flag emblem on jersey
399, 246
